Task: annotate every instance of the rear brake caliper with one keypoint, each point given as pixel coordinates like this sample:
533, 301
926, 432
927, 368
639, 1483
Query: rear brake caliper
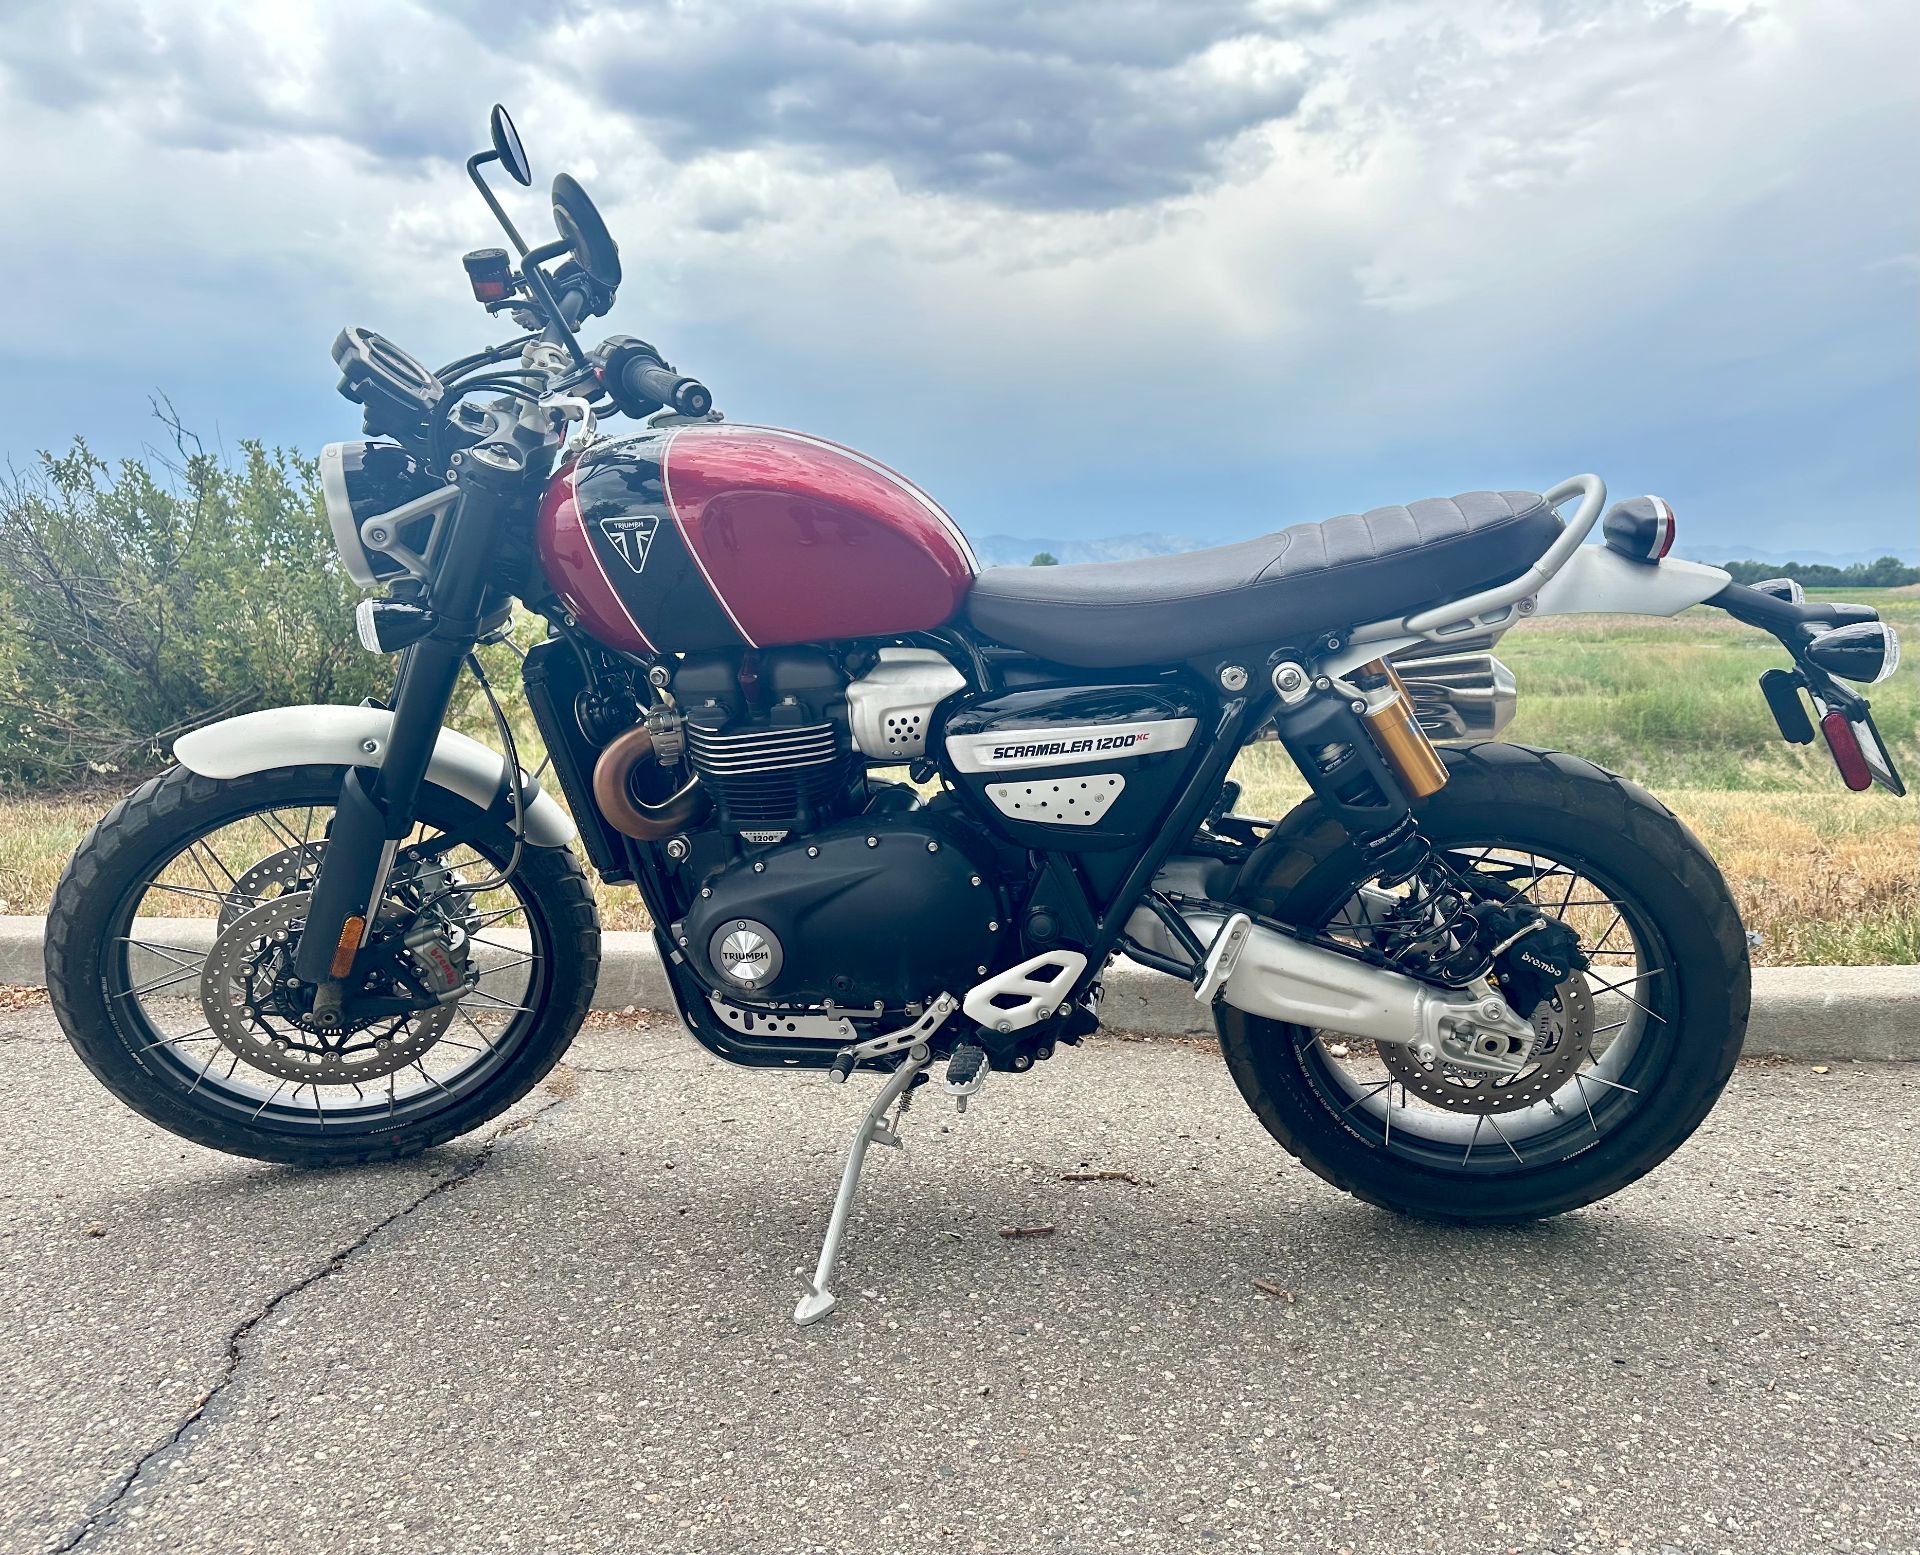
1533, 956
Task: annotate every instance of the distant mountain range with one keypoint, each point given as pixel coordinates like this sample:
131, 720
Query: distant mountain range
1016, 551
1020, 550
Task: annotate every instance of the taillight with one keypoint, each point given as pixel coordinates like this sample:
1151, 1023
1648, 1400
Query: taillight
1641, 528
1847, 755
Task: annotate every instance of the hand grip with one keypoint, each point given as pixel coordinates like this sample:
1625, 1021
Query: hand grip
645, 379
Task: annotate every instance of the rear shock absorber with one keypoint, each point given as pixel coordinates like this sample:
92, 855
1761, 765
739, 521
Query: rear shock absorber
1396, 731
1332, 740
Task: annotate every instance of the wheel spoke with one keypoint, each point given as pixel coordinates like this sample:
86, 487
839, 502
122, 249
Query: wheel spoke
200, 1034
491, 1003
220, 898
1579, 1081
478, 1030
166, 952
154, 987
1503, 1138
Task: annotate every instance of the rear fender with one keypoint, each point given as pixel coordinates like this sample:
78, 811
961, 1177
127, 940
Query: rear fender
1594, 580
335, 736
1599, 581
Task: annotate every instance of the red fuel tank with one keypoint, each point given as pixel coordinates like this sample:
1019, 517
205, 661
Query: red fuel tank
723, 537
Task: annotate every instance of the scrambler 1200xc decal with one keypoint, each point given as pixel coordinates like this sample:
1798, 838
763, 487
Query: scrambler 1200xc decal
1005, 749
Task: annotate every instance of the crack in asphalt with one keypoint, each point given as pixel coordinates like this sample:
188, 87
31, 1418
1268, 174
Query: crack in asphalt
98, 1522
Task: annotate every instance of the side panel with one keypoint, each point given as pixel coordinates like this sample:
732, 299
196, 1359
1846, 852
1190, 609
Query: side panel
357, 737
1074, 768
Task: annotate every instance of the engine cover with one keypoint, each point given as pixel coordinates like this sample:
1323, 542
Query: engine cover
881, 910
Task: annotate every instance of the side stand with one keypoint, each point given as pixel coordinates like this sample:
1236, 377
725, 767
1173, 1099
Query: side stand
819, 1301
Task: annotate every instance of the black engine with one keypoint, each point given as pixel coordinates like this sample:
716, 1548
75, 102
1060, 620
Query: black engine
877, 912
767, 732
816, 885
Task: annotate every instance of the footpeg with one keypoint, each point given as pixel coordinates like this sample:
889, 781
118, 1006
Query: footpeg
966, 1074
1222, 957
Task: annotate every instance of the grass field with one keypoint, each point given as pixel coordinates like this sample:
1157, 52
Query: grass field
1825, 876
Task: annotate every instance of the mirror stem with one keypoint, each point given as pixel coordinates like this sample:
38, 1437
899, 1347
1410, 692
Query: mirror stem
474, 163
529, 260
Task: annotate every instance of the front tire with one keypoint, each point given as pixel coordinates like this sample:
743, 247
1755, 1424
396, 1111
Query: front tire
1688, 1015
120, 1020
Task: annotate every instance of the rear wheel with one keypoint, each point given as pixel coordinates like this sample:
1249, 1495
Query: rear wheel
168, 962
1632, 1053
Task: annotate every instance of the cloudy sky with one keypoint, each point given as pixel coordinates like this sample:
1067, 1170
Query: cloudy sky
1082, 268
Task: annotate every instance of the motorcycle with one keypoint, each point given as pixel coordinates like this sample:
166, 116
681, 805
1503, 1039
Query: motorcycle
890, 813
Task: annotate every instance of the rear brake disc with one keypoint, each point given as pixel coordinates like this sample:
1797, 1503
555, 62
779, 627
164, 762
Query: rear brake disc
1563, 1043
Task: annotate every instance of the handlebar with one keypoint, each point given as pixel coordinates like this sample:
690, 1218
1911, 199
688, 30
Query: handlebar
573, 304
646, 378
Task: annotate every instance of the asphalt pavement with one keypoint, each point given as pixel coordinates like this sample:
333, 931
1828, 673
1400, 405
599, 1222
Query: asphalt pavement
571, 1333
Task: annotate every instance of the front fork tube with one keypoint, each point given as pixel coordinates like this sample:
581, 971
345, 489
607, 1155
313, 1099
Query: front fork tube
375, 811
377, 805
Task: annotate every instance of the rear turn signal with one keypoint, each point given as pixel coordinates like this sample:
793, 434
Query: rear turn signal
1867, 651
1847, 755
1782, 588
1640, 529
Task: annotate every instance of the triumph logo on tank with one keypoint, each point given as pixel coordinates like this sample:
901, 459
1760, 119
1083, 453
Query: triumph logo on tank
632, 537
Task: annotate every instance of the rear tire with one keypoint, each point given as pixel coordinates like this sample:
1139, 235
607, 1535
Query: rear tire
1571, 810
91, 912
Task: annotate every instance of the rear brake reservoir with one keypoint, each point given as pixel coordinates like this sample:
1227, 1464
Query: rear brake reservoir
1390, 720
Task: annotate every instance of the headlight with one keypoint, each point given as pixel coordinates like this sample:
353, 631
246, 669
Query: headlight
366, 480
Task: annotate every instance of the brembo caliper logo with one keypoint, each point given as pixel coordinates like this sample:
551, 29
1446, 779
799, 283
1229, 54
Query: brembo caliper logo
1104, 742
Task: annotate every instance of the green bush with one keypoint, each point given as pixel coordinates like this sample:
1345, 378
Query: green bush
1889, 572
141, 599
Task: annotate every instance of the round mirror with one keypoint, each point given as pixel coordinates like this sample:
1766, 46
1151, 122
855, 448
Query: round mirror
507, 147
584, 232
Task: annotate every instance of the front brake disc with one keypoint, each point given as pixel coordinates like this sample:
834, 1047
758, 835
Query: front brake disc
1563, 1043
291, 869
241, 987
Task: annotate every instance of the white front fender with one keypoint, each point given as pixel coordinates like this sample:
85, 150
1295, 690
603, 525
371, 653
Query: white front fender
357, 737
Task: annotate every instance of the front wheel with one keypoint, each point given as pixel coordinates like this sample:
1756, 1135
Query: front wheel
1633, 1052
169, 950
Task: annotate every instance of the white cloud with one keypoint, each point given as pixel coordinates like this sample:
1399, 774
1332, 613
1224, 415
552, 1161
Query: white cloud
1367, 234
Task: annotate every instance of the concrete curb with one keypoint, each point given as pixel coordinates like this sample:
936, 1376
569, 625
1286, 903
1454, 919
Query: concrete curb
1804, 1012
